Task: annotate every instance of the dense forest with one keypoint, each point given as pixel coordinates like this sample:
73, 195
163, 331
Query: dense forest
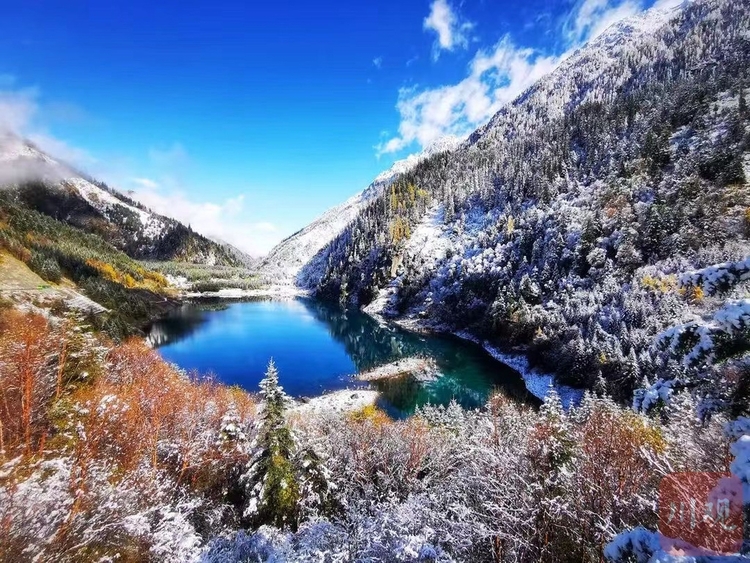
602, 208
599, 225
65, 256
107, 453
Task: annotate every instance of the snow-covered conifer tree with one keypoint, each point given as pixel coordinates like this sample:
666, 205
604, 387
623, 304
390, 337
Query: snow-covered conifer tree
272, 489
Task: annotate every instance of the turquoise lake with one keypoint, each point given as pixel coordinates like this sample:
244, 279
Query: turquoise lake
318, 347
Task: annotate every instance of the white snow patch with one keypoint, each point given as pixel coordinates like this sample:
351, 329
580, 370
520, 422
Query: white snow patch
346, 400
539, 384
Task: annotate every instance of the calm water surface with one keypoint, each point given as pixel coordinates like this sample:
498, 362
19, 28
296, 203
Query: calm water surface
318, 347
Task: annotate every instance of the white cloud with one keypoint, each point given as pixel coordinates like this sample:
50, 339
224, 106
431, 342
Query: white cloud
378, 62
590, 18
147, 183
20, 114
226, 220
668, 4
17, 109
495, 77
451, 30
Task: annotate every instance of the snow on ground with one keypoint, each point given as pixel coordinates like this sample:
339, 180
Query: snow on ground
339, 402
423, 369
383, 302
289, 257
104, 201
14, 148
430, 242
179, 282
447, 143
539, 384
27, 161
275, 291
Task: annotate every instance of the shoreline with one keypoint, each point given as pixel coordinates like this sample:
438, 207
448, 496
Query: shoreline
342, 401
422, 369
537, 383
275, 291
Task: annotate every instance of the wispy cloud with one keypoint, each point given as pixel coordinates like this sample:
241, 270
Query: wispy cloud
20, 113
17, 109
452, 31
495, 76
225, 220
590, 18
146, 183
377, 62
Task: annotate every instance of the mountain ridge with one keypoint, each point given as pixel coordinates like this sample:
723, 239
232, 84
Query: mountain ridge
95, 207
289, 256
546, 230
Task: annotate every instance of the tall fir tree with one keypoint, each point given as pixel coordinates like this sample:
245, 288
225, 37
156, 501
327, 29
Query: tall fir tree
271, 485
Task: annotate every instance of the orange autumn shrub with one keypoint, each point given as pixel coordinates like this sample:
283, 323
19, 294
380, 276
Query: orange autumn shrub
114, 433
156, 415
27, 355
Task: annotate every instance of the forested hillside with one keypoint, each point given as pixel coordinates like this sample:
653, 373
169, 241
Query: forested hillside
568, 226
76, 261
55, 189
285, 261
599, 225
108, 453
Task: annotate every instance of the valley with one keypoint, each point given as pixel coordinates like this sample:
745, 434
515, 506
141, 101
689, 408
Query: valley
501, 349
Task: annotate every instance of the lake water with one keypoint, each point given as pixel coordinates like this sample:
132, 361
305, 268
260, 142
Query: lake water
317, 347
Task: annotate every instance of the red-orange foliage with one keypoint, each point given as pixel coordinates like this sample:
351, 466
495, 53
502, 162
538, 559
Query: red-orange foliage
143, 403
27, 350
127, 417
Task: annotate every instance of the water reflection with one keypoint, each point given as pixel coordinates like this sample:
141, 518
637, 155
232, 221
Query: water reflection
180, 323
318, 346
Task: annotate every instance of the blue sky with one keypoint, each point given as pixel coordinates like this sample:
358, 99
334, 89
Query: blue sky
249, 119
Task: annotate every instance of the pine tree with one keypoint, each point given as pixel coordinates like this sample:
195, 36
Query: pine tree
316, 490
558, 439
272, 489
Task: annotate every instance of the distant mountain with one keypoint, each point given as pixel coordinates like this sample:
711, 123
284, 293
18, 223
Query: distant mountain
56, 189
242, 257
284, 262
571, 226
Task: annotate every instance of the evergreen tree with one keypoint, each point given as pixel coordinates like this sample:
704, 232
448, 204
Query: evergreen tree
272, 489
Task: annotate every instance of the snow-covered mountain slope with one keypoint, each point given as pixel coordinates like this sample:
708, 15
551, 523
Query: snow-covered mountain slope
563, 225
587, 75
56, 189
286, 259
592, 74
